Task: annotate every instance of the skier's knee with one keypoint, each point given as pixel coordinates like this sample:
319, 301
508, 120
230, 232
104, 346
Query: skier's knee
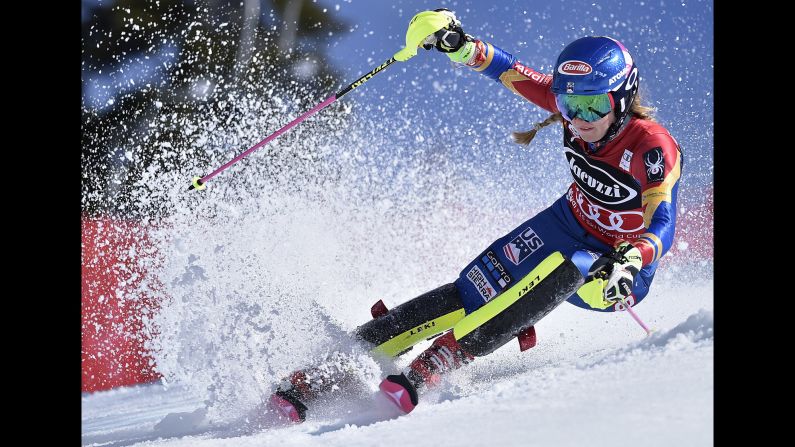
520, 307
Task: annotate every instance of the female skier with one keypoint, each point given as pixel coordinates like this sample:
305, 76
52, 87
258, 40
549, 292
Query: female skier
612, 225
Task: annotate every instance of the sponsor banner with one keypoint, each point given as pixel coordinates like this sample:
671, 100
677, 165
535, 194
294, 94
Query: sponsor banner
655, 165
600, 185
577, 68
609, 223
496, 269
529, 72
618, 75
478, 279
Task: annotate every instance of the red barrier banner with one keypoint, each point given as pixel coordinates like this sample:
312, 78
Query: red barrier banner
113, 309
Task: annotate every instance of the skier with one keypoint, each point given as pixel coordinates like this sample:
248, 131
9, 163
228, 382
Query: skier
611, 227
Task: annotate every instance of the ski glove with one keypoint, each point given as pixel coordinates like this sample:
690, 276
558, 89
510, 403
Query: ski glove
448, 39
618, 269
424, 26
452, 40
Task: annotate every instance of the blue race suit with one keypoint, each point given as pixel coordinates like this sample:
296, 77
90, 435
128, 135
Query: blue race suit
623, 190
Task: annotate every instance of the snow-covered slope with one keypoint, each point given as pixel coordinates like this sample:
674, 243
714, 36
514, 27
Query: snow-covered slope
583, 386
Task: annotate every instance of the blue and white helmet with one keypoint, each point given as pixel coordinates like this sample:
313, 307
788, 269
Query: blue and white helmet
595, 65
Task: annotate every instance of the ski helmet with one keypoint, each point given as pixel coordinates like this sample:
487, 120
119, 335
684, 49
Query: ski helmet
598, 65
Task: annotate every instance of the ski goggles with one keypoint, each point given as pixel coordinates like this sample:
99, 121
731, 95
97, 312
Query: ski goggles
588, 108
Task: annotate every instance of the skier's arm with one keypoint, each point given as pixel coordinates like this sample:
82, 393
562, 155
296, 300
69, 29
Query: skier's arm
657, 166
483, 57
498, 64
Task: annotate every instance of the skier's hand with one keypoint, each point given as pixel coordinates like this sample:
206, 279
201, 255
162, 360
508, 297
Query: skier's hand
618, 269
439, 28
452, 40
448, 39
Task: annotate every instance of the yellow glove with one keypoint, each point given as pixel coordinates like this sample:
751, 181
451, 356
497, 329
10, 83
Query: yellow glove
423, 25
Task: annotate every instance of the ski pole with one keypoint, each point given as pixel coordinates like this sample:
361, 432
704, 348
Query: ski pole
635, 316
595, 285
422, 25
199, 183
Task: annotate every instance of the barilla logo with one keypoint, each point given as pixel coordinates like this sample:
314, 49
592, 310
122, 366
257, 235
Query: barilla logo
575, 68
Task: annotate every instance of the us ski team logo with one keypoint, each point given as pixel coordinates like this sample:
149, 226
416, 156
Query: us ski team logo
522, 246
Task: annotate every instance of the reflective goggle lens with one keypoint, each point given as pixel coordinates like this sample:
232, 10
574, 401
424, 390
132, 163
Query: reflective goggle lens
585, 107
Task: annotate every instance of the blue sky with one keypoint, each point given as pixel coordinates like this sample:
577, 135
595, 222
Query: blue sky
671, 41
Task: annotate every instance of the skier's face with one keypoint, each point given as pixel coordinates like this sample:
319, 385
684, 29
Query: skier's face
594, 131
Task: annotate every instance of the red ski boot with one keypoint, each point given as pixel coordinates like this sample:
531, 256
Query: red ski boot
287, 398
445, 354
304, 386
400, 391
288, 405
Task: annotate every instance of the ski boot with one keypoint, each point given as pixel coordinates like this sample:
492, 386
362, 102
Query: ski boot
445, 354
303, 386
288, 397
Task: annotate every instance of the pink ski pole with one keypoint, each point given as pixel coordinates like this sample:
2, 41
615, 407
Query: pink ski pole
635, 316
199, 182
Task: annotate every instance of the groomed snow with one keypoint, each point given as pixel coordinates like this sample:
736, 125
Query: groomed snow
603, 384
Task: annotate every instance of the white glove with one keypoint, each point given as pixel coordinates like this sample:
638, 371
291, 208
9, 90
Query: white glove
618, 268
